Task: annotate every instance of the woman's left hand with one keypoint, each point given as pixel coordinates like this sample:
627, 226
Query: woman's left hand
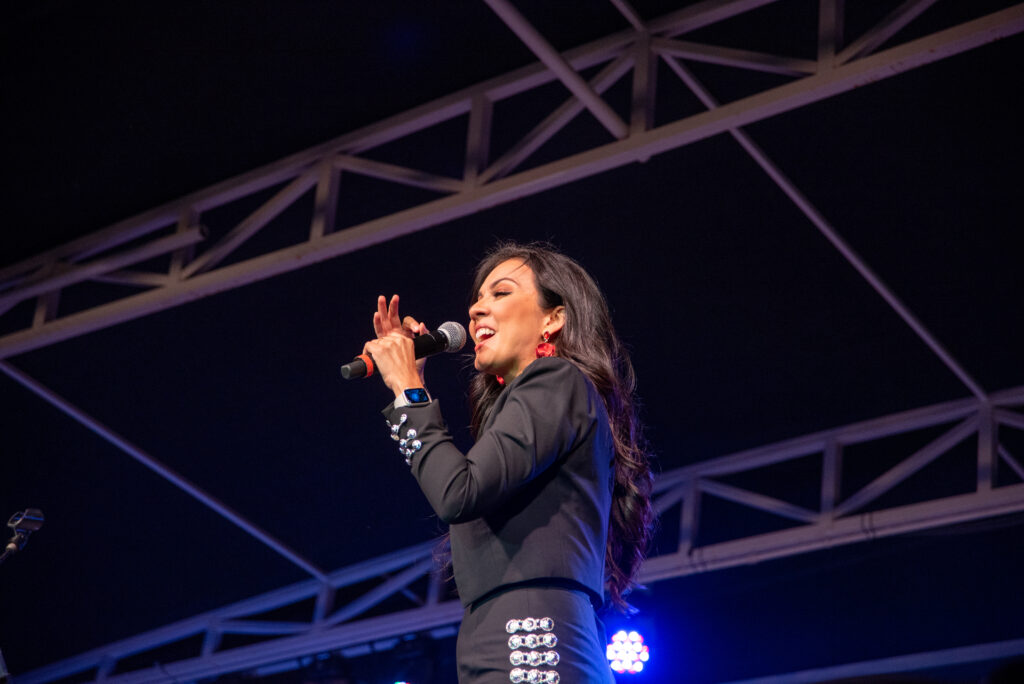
386, 320
392, 351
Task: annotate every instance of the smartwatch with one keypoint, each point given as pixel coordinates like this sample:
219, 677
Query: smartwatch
417, 396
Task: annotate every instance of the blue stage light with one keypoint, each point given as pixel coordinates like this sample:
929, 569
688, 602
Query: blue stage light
627, 653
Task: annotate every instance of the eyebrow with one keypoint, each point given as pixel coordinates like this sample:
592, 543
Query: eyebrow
493, 283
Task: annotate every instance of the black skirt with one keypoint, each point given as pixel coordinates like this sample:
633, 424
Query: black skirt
533, 634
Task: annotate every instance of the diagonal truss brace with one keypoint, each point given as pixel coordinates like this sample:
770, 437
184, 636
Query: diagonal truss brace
684, 488
560, 67
161, 469
831, 234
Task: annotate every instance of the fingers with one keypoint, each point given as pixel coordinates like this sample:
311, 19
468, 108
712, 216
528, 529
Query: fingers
380, 316
386, 319
395, 341
394, 360
414, 326
393, 318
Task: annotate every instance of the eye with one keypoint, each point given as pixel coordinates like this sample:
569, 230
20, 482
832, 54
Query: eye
502, 293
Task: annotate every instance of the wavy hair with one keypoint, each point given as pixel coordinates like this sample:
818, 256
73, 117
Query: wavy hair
588, 340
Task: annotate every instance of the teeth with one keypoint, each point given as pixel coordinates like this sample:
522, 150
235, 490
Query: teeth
483, 333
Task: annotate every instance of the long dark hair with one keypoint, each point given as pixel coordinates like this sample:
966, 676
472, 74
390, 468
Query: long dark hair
588, 340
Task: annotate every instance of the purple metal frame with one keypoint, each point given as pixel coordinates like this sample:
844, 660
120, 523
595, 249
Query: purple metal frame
833, 523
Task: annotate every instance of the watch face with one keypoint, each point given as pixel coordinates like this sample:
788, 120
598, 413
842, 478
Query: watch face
417, 396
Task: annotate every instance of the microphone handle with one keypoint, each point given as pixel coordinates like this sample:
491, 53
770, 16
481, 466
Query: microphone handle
358, 367
423, 345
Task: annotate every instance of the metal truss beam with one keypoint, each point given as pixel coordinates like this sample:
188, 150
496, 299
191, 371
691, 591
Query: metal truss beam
905, 663
852, 519
836, 521
315, 171
242, 618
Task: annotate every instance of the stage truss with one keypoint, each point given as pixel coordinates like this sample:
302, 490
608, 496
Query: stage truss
175, 237
402, 594
166, 258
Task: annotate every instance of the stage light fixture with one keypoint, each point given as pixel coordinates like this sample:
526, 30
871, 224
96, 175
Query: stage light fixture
627, 653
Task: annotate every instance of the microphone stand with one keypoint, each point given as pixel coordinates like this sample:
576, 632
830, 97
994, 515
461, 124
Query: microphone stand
22, 524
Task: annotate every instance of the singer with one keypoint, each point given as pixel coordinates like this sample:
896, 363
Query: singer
550, 510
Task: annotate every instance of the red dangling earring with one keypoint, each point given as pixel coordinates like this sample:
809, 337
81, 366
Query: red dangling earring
545, 348
501, 380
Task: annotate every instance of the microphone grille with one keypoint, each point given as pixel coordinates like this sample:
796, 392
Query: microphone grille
455, 333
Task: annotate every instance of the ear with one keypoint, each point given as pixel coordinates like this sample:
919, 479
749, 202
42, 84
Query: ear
554, 320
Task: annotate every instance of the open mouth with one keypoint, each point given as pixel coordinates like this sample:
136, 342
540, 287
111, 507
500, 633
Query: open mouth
482, 335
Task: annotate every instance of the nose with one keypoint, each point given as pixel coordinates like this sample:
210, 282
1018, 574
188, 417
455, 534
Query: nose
477, 310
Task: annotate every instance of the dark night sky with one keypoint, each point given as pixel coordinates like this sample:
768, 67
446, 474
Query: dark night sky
746, 326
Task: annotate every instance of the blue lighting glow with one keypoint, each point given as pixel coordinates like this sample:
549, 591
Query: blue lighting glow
627, 653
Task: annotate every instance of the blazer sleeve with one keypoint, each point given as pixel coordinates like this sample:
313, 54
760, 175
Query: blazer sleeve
544, 415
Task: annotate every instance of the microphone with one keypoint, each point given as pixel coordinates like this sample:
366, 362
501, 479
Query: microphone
22, 524
449, 337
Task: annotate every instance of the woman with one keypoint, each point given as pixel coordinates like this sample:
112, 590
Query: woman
551, 506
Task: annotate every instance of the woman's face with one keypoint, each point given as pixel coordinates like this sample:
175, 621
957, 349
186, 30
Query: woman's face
507, 323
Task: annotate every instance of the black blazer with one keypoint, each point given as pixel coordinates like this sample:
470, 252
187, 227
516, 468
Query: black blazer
531, 499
